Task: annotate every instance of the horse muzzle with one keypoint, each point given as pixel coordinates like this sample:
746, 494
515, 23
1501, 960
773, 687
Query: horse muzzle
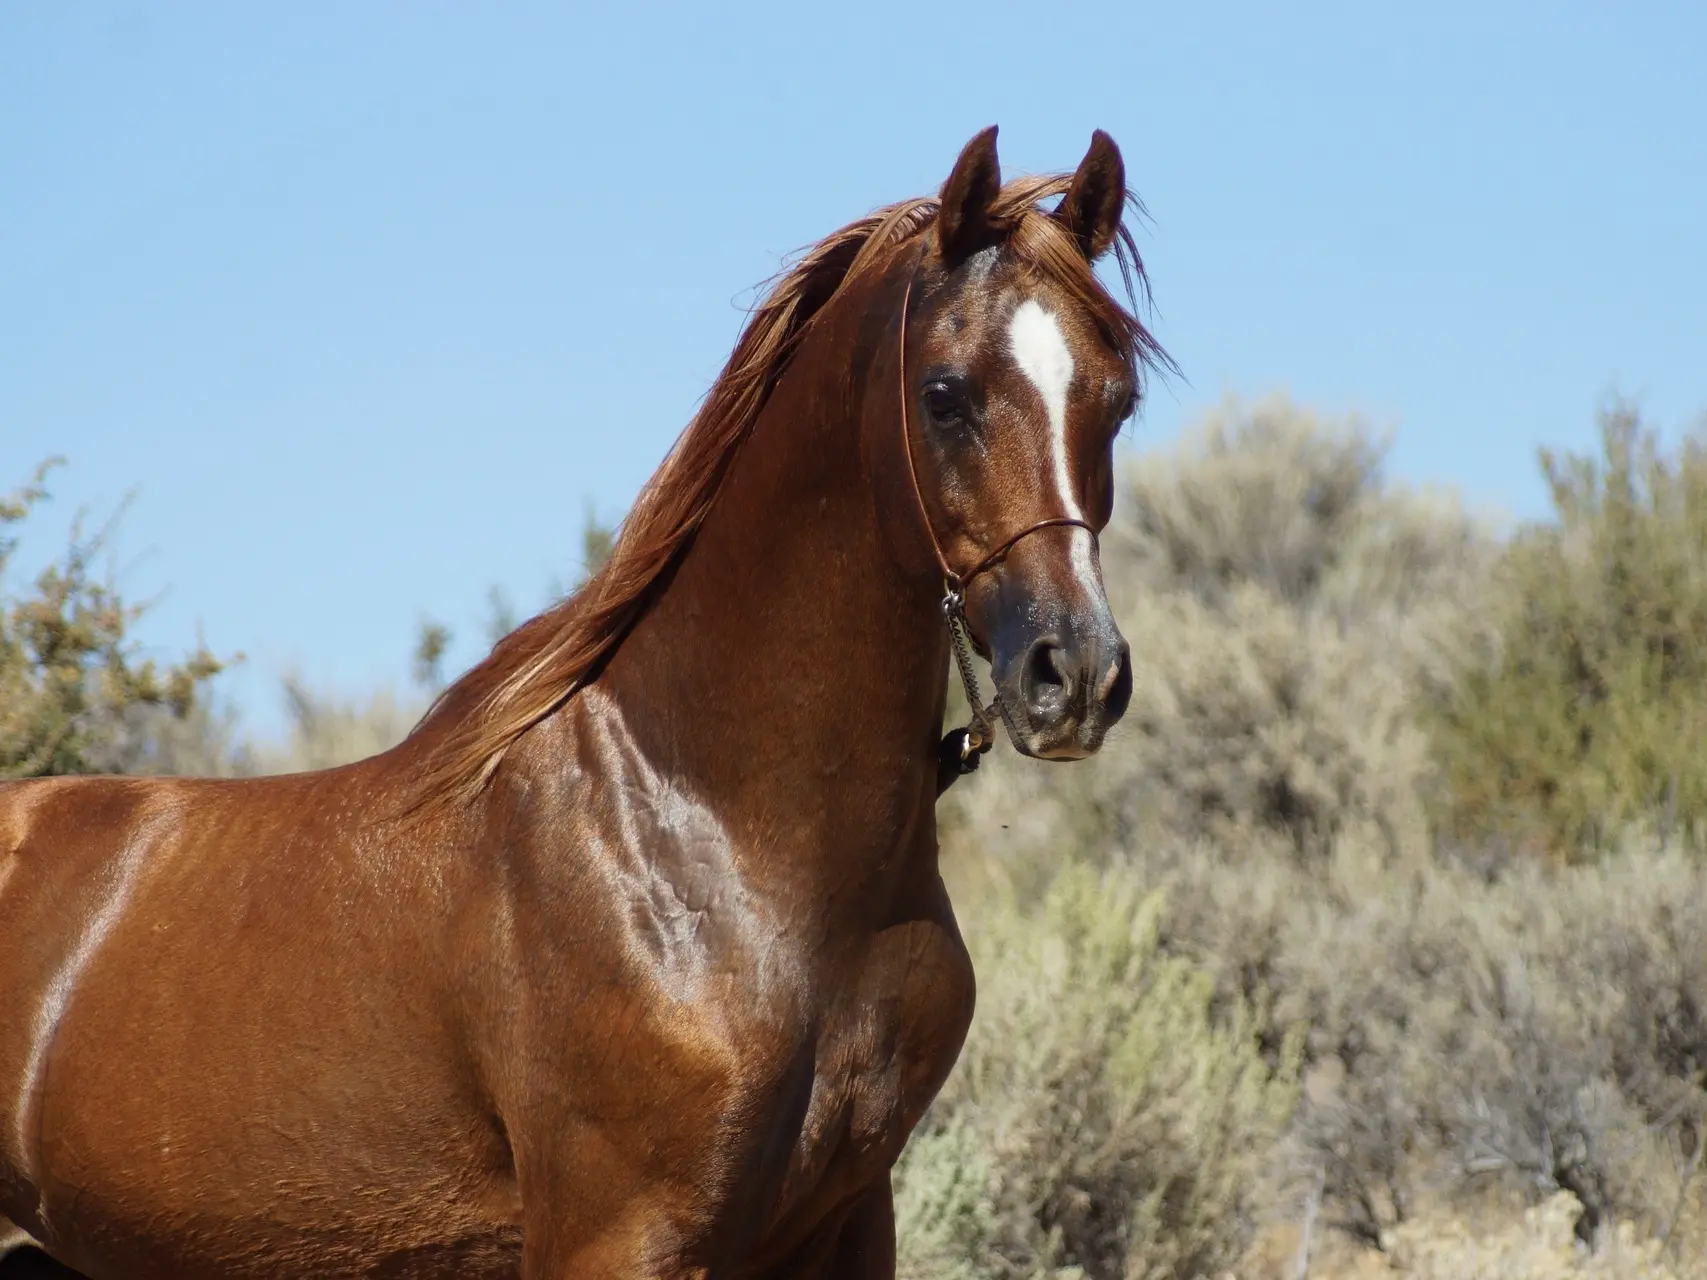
1064, 676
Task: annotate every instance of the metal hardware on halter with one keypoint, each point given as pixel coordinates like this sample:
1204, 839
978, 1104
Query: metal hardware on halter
979, 736
960, 757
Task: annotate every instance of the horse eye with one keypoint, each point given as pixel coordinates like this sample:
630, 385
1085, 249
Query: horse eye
943, 403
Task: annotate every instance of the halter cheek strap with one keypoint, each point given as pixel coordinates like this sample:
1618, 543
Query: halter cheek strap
961, 749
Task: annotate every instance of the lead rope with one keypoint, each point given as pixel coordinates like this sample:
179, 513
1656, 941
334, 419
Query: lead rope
966, 744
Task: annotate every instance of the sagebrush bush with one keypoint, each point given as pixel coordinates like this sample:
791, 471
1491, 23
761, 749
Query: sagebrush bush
1589, 708
1102, 1121
1473, 1026
1541, 1245
1533, 1031
324, 730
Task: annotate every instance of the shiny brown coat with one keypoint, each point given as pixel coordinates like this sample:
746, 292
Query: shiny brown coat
634, 959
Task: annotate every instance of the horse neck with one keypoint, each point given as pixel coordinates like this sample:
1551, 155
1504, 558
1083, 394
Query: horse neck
792, 674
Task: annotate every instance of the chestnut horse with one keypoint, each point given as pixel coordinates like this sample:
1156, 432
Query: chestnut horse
633, 959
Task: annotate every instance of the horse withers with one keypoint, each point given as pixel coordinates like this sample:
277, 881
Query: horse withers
633, 959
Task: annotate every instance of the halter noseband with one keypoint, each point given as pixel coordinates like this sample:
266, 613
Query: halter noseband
961, 749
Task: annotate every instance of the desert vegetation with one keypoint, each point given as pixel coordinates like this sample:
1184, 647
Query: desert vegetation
1373, 943
1351, 790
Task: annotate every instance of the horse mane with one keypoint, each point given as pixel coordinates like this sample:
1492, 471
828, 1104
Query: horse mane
542, 664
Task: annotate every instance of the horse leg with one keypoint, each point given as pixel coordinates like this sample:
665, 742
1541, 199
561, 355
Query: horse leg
857, 1244
865, 1248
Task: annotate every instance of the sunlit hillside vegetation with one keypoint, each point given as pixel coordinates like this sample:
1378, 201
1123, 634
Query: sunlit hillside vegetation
1374, 942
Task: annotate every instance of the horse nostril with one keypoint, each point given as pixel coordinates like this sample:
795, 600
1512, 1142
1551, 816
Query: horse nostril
1047, 684
1116, 692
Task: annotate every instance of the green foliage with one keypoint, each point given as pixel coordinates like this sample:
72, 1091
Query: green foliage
1590, 711
945, 1215
432, 639
72, 686
1105, 1119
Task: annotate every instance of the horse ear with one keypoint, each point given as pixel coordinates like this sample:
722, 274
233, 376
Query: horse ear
962, 221
1096, 200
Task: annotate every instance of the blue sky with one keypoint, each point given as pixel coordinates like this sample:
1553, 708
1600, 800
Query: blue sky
367, 302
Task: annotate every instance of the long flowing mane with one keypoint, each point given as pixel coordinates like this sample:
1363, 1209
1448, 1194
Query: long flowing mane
537, 668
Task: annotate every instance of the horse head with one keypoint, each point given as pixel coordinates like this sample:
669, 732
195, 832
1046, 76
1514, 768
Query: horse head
1018, 370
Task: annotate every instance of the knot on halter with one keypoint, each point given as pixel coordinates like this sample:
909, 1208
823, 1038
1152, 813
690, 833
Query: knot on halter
961, 749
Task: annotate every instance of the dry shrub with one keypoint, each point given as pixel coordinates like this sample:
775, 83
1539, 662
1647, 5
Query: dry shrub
1103, 1121
1464, 1035
1472, 1027
946, 1216
207, 741
326, 730
1540, 1245
1255, 717
73, 686
321, 730
1539, 1030
1590, 708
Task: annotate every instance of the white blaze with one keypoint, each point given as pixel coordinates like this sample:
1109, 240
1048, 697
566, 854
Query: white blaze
1042, 355
1041, 352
